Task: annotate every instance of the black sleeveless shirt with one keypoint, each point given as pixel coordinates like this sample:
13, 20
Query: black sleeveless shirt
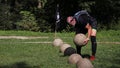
80, 26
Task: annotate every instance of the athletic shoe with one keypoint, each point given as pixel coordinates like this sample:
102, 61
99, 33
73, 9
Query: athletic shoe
92, 58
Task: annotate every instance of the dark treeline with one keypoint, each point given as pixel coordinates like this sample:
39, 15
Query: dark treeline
40, 15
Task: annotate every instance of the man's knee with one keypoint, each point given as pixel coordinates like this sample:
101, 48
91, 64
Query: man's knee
93, 33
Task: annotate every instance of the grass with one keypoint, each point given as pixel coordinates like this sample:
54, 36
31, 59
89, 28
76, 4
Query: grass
14, 53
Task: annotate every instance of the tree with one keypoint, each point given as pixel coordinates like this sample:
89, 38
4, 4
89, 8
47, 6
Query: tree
5, 16
107, 12
28, 22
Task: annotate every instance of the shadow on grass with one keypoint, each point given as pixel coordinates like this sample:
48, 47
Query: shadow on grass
19, 65
83, 55
86, 56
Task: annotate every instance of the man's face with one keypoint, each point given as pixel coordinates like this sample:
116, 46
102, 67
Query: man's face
71, 21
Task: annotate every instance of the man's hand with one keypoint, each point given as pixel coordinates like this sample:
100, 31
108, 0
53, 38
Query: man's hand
86, 40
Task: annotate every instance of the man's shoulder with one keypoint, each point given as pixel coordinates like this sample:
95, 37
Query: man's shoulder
81, 12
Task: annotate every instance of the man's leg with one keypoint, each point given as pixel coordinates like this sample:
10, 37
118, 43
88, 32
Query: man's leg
93, 43
78, 48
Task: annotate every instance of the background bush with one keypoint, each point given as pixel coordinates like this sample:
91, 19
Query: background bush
43, 13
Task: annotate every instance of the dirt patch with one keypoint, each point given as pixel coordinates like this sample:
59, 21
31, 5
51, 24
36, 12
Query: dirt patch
32, 37
109, 42
39, 42
20, 37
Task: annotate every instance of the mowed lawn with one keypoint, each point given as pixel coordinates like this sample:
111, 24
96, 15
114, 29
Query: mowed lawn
32, 53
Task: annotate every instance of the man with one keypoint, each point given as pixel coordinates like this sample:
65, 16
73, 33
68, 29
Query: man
84, 23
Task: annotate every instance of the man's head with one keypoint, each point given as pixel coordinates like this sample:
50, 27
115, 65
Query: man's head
71, 20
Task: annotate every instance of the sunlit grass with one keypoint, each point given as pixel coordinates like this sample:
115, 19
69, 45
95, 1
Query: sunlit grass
15, 53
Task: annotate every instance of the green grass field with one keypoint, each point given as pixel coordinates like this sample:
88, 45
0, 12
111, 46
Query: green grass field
18, 53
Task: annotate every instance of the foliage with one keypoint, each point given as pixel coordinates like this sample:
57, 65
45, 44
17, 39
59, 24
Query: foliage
43, 23
107, 12
28, 22
6, 17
